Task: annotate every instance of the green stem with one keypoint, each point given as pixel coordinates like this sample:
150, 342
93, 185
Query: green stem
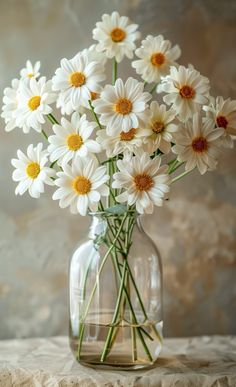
94, 114
153, 89
116, 313
80, 338
114, 72
52, 119
176, 166
185, 173
44, 134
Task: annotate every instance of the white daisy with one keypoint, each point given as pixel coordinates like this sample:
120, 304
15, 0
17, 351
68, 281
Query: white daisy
122, 106
197, 144
156, 56
122, 142
145, 183
186, 91
116, 36
31, 171
94, 55
34, 100
72, 139
10, 105
160, 128
223, 113
30, 70
76, 79
81, 185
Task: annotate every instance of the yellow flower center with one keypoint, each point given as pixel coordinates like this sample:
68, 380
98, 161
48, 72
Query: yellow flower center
200, 145
143, 182
74, 141
187, 92
123, 106
118, 35
30, 75
128, 136
158, 59
158, 127
33, 170
81, 185
34, 102
93, 95
77, 79
222, 122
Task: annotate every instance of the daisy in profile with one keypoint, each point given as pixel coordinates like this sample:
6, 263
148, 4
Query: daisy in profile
72, 139
186, 90
122, 142
156, 56
10, 105
31, 171
143, 180
81, 185
34, 99
198, 144
30, 70
223, 113
76, 79
123, 106
160, 126
116, 36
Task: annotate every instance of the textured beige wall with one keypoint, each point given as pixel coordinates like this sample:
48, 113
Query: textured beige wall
195, 231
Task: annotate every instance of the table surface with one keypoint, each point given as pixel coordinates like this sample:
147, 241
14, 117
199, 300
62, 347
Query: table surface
199, 361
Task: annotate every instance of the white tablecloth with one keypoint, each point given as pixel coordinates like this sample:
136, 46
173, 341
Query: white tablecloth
199, 362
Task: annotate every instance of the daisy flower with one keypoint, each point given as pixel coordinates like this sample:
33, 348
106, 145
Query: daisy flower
223, 113
197, 144
186, 91
116, 36
156, 56
81, 185
10, 105
145, 183
30, 70
160, 128
72, 139
34, 100
122, 106
76, 79
122, 142
31, 171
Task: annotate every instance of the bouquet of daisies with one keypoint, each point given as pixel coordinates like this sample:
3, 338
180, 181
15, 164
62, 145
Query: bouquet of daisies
117, 144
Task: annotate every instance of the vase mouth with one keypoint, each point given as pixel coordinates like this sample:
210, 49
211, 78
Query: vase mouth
107, 214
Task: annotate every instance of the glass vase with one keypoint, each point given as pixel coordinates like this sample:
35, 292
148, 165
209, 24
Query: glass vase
116, 295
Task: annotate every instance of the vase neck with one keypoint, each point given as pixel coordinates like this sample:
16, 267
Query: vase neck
101, 223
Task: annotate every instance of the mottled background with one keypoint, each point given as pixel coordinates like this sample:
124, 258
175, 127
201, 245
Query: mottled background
195, 231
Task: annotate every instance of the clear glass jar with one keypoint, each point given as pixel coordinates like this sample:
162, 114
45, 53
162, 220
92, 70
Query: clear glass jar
116, 295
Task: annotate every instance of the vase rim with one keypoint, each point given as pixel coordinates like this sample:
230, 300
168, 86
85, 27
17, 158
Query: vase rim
106, 214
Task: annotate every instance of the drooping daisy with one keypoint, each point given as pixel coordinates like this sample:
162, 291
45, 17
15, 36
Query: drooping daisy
31, 171
156, 56
76, 79
10, 104
122, 106
34, 100
116, 36
122, 142
160, 128
198, 144
30, 70
81, 185
72, 139
144, 182
186, 91
223, 113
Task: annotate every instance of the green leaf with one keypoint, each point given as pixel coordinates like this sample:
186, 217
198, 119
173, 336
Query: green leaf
118, 209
